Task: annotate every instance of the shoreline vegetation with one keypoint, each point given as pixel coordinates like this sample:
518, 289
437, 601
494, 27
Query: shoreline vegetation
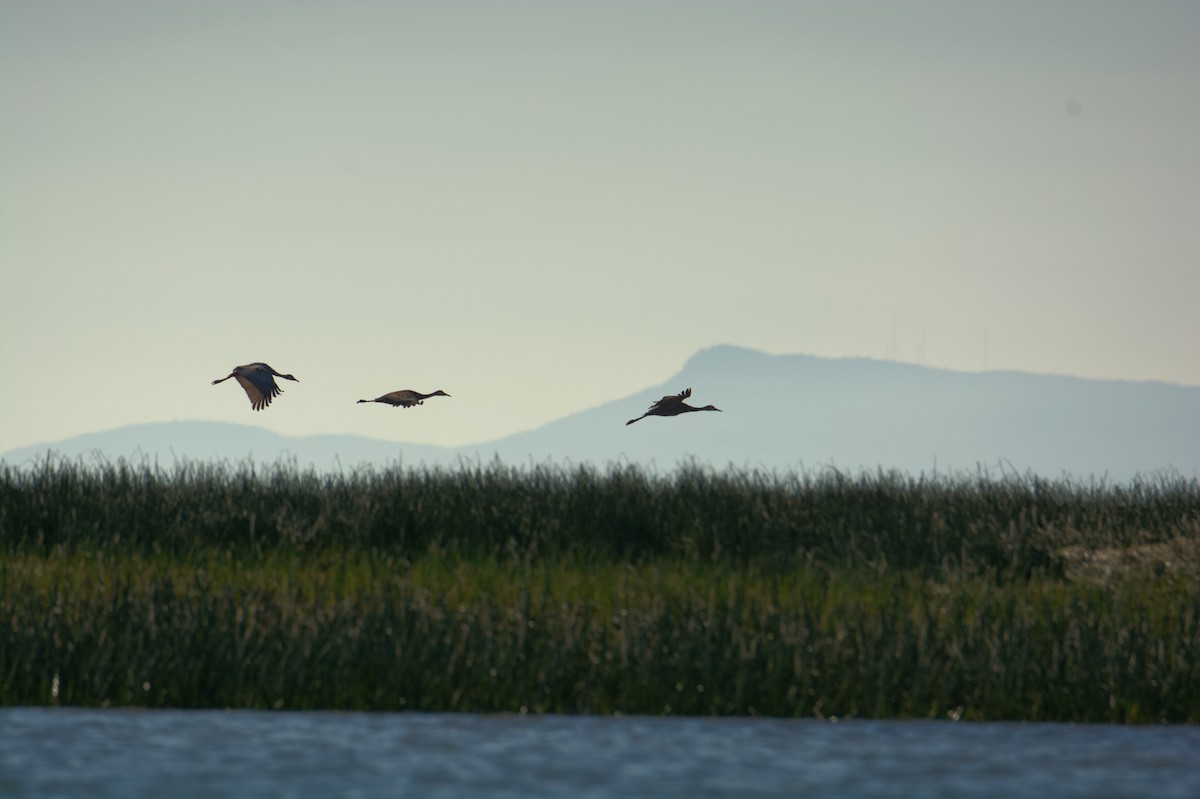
552, 589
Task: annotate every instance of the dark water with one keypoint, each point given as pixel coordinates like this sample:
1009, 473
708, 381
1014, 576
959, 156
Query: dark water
60, 752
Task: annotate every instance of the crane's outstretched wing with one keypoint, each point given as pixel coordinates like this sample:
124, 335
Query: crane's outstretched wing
260, 387
671, 399
667, 403
405, 398
401, 399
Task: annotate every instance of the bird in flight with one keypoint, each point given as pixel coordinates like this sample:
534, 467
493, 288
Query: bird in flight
672, 405
258, 380
406, 398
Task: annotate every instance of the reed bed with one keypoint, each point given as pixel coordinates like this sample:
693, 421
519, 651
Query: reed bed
554, 589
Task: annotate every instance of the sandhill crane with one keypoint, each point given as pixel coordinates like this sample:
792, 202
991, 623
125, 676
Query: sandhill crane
672, 405
259, 381
406, 398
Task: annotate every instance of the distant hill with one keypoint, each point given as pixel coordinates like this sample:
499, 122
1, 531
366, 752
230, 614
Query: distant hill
800, 411
167, 443
780, 412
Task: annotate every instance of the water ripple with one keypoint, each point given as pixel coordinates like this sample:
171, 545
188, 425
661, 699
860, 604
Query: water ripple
66, 753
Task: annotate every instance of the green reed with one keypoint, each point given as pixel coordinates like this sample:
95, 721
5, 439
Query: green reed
580, 590
886, 520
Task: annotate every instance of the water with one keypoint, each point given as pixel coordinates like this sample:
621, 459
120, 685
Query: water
62, 752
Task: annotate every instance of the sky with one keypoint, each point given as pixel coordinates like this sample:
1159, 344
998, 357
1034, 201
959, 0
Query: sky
540, 207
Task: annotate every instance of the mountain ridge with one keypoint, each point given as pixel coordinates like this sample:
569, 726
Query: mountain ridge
789, 412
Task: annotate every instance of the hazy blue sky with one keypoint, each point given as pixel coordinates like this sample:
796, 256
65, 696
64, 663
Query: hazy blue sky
542, 206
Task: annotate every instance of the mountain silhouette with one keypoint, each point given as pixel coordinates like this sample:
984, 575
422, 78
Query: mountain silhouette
781, 412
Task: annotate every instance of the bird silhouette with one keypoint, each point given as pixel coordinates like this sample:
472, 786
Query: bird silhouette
258, 380
672, 405
406, 398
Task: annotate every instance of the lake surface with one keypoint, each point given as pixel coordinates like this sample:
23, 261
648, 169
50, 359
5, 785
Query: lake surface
67, 752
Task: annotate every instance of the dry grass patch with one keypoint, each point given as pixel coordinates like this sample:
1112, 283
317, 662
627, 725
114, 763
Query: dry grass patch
1178, 558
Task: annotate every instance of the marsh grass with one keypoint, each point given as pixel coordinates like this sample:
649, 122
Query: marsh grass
580, 590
